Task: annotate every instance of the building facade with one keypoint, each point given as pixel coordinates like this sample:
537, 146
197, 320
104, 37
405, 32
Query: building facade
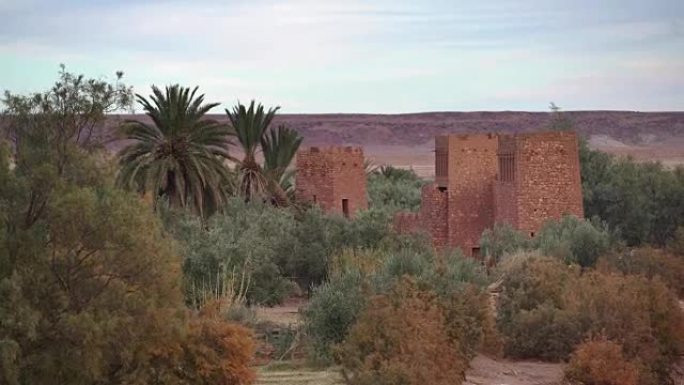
483, 179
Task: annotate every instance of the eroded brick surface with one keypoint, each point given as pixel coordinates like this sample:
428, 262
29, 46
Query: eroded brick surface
330, 176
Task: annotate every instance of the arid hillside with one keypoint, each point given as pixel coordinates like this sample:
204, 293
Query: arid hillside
406, 140
420, 128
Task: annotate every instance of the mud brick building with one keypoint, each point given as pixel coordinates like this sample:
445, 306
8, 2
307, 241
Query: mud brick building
333, 178
521, 179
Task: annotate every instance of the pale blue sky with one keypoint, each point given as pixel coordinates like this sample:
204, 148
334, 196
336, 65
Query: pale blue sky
362, 56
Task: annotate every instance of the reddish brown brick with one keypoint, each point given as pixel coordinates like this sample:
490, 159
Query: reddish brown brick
521, 179
331, 176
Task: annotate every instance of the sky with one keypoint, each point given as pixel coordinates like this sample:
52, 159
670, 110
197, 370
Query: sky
381, 56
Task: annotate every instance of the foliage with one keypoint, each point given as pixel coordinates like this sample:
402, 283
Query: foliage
214, 352
181, 155
333, 309
400, 338
279, 147
240, 244
547, 308
392, 189
643, 201
500, 240
82, 102
648, 262
457, 281
601, 362
470, 322
574, 240
251, 127
89, 281
530, 312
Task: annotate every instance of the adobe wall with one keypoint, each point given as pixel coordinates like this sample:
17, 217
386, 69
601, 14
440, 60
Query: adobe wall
472, 166
329, 175
433, 214
506, 192
431, 219
548, 182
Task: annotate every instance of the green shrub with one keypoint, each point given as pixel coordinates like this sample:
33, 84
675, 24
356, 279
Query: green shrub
601, 362
391, 189
574, 240
333, 309
400, 338
501, 240
245, 239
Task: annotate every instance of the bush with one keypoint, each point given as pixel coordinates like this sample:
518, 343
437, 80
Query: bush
401, 339
333, 309
391, 189
215, 352
501, 240
470, 323
546, 308
648, 262
640, 314
574, 240
601, 362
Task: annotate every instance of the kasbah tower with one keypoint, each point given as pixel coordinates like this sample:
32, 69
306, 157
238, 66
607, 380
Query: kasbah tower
480, 179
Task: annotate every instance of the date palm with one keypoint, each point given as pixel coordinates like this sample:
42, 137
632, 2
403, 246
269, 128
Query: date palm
251, 125
279, 147
180, 155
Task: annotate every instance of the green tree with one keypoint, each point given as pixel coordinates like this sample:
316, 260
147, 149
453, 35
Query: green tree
181, 155
251, 125
89, 281
279, 147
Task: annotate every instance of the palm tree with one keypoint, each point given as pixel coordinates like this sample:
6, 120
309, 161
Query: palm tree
181, 155
279, 147
250, 125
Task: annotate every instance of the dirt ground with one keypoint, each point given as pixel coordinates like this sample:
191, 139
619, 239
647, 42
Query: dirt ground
483, 371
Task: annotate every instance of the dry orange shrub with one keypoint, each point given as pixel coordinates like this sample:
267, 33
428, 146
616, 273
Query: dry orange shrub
601, 362
401, 339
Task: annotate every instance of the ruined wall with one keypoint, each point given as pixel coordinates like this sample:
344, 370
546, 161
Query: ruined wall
328, 176
471, 173
433, 214
549, 184
431, 219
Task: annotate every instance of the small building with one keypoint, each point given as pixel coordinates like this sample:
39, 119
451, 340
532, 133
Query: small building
483, 179
334, 178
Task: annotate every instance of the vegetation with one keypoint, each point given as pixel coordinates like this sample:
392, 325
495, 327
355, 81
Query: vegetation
400, 338
644, 202
99, 284
251, 127
89, 280
601, 362
392, 189
547, 308
180, 155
